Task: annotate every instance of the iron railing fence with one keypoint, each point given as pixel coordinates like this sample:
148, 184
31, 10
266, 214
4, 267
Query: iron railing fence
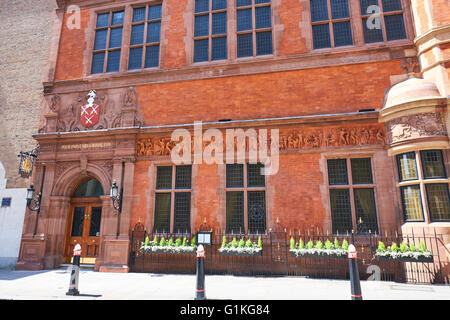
276, 259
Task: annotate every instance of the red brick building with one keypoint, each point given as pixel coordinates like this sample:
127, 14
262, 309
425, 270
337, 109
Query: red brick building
359, 99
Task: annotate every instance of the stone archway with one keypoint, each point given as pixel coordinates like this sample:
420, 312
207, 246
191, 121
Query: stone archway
59, 206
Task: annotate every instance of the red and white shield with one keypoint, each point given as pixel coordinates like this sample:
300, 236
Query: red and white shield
90, 115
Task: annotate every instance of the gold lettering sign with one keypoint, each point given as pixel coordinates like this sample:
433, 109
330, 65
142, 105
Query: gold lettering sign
84, 146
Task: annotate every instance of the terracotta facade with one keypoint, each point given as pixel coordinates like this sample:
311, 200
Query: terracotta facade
336, 103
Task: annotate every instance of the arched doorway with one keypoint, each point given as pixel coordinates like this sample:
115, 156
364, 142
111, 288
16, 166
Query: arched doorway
84, 220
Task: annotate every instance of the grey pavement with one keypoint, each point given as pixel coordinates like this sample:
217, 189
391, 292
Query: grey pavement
53, 285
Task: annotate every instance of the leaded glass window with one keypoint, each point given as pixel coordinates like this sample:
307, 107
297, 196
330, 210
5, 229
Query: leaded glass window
330, 23
407, 168
254, 28
382, 20
341, 212
412, 206
345, 178
210, 30
438, 201
173, 199
145, 37
108, 42
432, 164
245, 198
416, 181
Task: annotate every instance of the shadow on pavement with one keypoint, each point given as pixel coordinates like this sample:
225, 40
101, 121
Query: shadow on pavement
14, 275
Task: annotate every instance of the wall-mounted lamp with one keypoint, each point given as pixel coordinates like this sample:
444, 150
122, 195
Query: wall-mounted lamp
116, 197
33, 199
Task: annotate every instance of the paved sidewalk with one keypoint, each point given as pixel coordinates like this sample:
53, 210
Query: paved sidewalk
53, 285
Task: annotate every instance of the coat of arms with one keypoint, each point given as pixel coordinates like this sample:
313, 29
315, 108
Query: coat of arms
90, 112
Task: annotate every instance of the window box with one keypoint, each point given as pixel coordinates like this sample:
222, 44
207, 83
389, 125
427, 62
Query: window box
413, 258
403, 253
169, 247
318, 253
241, 252
241, 248
318, 250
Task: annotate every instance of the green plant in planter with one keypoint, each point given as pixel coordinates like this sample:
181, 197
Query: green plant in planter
403, 247
292, 243
178, 242
393, 247
301, 244
381, 247
162, 242
170, 242
345, 244
422, 246
155, 241
248, 243
328, 245
310, 244
412, 248
319, 244
147, 241
259, 242
234, 243
193, 241
224, 241
184, 243
336, 243
241, 243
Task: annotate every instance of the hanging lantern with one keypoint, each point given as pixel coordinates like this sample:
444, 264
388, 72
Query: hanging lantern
27, 162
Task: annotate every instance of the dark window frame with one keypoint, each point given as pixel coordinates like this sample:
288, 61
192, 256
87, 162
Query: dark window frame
422, 182
145, 45
429, 202
210, 35
383, 14
253, 6
397, 157
403, 204
107, 48
351, 187
422, 152
246, 189
330, 21
173, 190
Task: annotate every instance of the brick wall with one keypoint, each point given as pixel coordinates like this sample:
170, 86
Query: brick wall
25, 32
292, 93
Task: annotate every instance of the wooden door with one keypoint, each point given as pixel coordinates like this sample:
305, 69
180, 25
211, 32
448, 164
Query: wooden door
84, 229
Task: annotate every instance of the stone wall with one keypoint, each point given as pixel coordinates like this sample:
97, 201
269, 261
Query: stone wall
25, 34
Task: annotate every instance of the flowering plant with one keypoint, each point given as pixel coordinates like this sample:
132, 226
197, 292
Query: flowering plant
172, 247
240, 247
327, 249
403, 251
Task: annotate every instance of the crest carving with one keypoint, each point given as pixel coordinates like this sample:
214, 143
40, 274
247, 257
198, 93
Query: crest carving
114, 108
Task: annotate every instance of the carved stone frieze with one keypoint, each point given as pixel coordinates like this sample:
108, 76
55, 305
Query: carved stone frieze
331, 137
415, 126
310, 138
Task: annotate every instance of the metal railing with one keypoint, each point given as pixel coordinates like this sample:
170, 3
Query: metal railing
276, 260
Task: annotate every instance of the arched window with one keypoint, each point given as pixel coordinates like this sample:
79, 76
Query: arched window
89, 188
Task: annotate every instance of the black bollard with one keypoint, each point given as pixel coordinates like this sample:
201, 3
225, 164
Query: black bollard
200, 291
73, 286
354, 274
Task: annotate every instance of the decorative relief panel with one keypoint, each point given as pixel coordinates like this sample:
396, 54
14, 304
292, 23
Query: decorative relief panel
415, 126
288, 140
331, 137
95, 111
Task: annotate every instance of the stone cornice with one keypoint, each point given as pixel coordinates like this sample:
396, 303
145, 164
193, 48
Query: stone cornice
432, 33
